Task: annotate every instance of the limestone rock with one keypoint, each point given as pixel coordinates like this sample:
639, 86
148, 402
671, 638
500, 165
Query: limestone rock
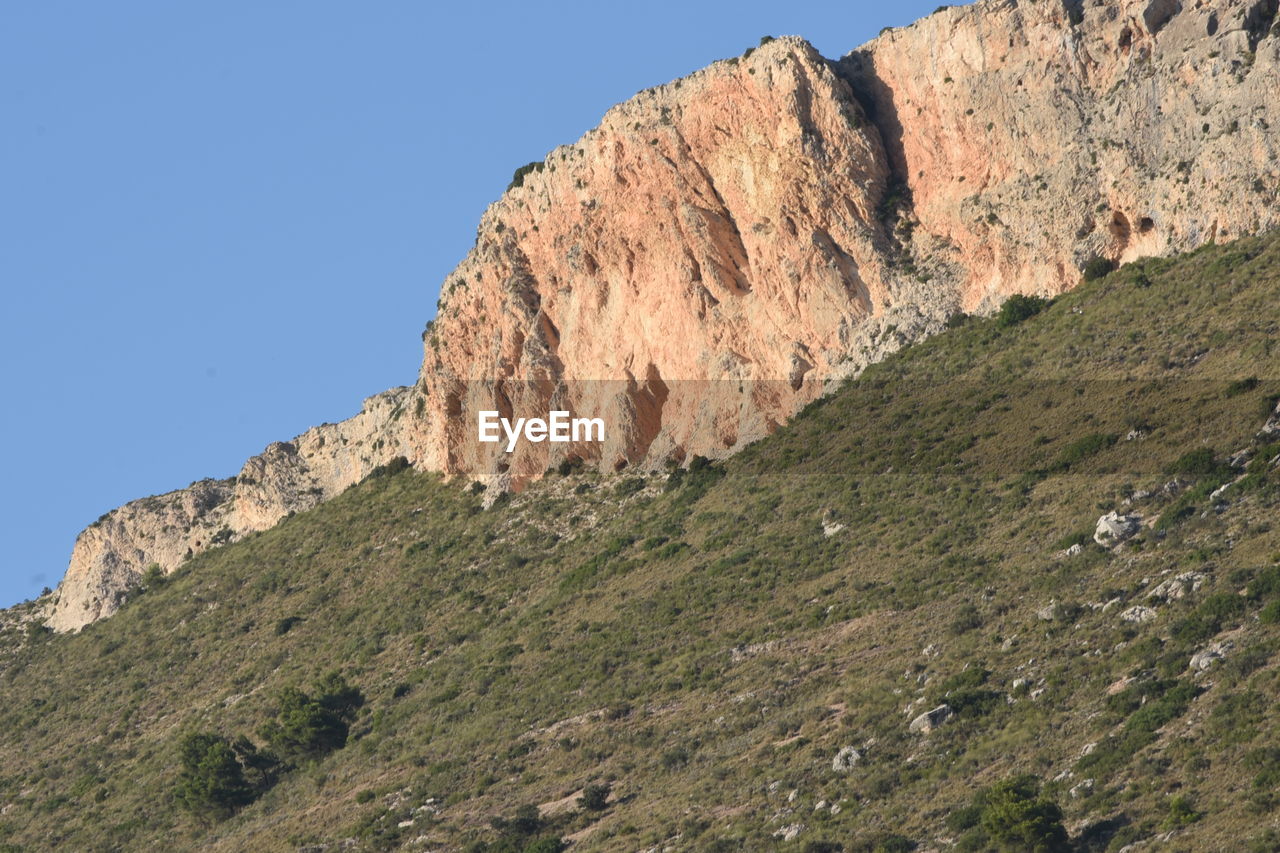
1271, 428
1178, 586
930, 720
790, 832
1209, 655
846, 759
1114, 528
1137, 614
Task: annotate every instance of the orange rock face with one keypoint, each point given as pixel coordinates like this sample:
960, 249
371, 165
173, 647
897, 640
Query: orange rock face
714, 234
721, 248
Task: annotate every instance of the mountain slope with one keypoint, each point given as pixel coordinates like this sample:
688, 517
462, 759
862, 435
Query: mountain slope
708, 642
783, 220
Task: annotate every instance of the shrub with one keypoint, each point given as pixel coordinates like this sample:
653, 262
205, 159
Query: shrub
153, 577
1270, 615
544, 845
595, 798
393, 467
1018, 308
285, 625
517, 179
885, 842
1195, 463
1181, 813
967, 618
1096, 267
1241, 386
1016, 817
1266, 584
1083, 448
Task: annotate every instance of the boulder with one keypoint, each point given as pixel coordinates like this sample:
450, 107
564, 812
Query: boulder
930, 720
1137, 614
1083, 789
1208, 656
1272, 427
1114, 528
846, 759
1177, 586
790, 832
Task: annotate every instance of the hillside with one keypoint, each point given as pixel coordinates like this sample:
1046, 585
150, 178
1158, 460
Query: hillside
781, 217
707, 642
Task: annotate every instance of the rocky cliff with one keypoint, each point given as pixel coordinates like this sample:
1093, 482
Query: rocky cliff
719, 248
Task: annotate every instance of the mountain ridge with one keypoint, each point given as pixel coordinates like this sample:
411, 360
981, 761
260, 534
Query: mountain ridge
737, 652
782, 218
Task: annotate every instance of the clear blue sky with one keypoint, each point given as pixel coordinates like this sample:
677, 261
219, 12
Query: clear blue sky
222, 223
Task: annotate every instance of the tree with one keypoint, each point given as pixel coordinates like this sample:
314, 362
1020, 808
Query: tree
307, 727
211, 782
264, 764
1016, 817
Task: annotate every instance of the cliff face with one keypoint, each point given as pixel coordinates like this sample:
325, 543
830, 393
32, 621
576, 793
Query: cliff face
1035, 135
697, 267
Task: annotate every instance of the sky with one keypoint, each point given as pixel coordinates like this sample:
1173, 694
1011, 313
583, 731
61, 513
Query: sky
223, 223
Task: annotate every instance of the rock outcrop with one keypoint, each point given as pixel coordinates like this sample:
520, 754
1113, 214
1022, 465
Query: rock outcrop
720, 248
111, 554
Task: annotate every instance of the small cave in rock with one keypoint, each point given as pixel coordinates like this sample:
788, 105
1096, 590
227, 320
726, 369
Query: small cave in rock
1145, 224
1126, 39
1074, 10
1119, 227
1212, 28
1259, 19
1158, 13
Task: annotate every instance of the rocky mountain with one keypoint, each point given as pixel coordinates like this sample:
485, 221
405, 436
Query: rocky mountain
719, 249
1015, 587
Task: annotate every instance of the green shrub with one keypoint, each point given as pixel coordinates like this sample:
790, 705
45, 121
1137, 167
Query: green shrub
595, 798
1270, 615
517, 179
967, 618
1181, 813
1097, 267
822, 846
1265, 585
1241, 386
1195, 463
1018, 308
1016, 817
153, 577
1083, 448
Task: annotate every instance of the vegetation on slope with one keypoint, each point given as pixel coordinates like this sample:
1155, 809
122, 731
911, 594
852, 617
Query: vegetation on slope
731, 656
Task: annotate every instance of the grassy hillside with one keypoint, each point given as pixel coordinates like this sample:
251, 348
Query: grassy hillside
705, 644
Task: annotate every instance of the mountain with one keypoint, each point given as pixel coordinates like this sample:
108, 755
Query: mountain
721, 248
1038, 544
